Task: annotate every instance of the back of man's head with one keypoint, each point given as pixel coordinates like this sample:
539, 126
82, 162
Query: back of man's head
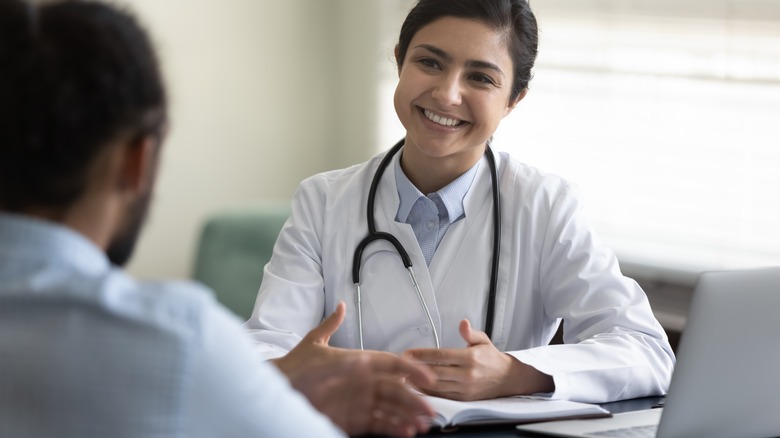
74, 76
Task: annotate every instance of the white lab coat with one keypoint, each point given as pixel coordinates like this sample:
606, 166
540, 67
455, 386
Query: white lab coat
552, 268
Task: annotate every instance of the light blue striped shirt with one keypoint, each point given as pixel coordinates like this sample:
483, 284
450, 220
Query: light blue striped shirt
431, 215
87, 351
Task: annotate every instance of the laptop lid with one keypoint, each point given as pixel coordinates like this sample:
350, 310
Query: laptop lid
726, 382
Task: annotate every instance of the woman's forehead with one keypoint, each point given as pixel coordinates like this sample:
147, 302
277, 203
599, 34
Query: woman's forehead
463, 39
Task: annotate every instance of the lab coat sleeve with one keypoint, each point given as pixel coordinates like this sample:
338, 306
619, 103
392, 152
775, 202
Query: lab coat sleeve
291, 298
614, 348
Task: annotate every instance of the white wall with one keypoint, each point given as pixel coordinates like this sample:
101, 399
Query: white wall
263, 94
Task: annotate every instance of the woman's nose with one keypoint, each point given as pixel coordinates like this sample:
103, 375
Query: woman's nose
447, 91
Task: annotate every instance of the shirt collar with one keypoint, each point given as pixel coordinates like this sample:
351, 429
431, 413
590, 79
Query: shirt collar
451, 195
27, 237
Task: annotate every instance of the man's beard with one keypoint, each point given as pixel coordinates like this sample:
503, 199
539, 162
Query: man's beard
120, 249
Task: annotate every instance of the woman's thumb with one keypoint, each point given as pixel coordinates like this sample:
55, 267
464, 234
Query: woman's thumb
470, 335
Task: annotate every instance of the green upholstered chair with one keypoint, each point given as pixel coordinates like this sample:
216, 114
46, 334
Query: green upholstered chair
233, 248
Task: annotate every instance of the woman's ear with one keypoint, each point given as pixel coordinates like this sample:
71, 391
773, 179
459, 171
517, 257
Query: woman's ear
398, 60
513, 103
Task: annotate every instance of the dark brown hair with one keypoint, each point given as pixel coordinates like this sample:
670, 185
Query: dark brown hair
74, 75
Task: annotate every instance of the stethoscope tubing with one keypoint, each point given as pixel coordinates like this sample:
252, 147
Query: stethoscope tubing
374, 235
490, 315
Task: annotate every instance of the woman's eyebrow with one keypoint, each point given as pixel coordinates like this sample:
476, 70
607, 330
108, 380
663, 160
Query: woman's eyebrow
471, 63
485, 64
436, 51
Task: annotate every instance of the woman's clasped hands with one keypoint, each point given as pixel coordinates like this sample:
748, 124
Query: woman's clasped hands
479, 371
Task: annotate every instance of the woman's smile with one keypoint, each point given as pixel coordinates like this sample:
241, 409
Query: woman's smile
440, 119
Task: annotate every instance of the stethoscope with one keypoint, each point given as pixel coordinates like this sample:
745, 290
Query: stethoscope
373, 235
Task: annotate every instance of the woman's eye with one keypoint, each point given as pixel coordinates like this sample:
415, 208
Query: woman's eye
429, 63
482, 78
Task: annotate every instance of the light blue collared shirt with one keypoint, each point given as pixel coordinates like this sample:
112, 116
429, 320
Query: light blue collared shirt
87, 351
431, 215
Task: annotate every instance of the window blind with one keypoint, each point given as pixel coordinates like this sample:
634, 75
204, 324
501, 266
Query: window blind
666, 114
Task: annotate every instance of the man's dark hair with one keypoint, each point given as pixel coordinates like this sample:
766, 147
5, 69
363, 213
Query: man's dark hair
74, 76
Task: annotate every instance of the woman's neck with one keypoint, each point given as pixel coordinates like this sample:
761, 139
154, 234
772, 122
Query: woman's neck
431, 174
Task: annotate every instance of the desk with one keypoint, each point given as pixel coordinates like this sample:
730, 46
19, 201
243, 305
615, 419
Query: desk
506, 431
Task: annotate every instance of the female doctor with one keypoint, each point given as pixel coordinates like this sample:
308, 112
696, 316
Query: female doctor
500, 253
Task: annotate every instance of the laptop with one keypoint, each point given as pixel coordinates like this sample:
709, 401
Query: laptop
727, 379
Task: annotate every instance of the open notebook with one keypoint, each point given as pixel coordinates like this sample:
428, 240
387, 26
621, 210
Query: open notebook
726, 382
451, 413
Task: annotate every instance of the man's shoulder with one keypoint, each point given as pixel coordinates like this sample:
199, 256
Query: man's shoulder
179, 305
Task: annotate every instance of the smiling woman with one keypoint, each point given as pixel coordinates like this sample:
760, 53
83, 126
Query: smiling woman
495, 244
454, 87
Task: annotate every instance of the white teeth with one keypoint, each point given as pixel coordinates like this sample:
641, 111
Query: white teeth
435, 118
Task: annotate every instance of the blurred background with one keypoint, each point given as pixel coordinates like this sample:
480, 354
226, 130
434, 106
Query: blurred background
665, 113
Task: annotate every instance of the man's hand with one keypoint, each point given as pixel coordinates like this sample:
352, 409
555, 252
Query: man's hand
361, 391
478, 371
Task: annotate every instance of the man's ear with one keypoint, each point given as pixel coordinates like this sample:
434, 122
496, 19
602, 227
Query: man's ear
139, 165
514, 103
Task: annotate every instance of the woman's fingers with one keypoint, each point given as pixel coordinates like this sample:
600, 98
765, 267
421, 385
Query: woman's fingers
387, 363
